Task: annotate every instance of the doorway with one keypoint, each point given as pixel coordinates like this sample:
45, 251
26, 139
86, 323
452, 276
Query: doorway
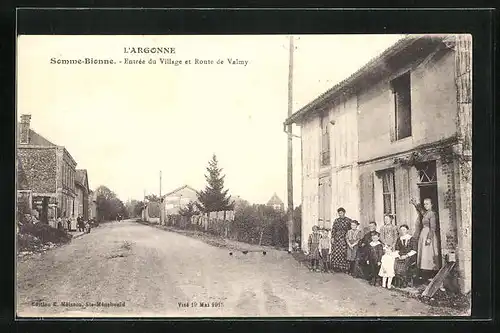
428, 189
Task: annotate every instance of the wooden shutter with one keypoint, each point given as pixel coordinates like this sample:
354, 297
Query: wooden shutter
392, 114
367, 197
402, 196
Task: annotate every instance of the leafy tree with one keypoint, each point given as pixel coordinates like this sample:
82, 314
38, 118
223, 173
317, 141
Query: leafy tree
138, 207
214, 197
152, 198
297, 221
188, 211
260, 224
109, 206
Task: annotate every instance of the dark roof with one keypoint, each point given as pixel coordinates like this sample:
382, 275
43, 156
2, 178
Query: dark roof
403, 52
275, 200
178, 189
36, 139
81, 178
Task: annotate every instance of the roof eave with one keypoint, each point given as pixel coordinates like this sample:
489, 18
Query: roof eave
336, 91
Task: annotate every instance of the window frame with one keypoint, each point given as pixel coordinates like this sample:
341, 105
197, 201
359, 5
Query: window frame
325, 140
400, 86
382, 174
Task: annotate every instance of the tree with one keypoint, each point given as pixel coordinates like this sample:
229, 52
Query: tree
152, 198
108, 204
131, 208
188, 211
139, 206
297, 221
214, 197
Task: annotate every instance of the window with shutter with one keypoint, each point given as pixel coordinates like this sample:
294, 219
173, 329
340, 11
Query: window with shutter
388, 191
325, 141
401, 88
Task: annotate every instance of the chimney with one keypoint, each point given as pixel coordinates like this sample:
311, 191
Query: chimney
24, 132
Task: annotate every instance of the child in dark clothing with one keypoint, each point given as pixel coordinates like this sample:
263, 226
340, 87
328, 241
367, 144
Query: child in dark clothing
375, 253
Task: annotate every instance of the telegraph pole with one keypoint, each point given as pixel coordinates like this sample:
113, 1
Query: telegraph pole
161, 204
290, 147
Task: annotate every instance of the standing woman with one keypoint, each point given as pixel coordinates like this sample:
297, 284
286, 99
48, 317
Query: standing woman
340, 226
428, 248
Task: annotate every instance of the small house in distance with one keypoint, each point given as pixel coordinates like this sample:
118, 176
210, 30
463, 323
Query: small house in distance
276, 203
178, 198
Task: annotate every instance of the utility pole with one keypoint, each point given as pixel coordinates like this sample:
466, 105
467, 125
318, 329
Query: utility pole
161, 204
160, 184
290, 149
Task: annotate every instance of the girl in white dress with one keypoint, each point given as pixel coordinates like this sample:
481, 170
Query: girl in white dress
387, 267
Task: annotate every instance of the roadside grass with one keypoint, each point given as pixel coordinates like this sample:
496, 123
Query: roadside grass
214, 240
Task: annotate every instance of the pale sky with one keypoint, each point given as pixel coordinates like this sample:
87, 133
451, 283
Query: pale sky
125, 123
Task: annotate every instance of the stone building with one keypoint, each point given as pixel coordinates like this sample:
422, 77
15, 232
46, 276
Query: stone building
82, 194
92, 205
398, 128
47, 172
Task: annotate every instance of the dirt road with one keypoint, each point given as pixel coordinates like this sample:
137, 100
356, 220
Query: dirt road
136, 270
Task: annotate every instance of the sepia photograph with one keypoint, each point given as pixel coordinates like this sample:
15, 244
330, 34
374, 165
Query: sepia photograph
247, 176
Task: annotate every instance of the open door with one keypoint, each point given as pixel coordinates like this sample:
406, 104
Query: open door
428, 189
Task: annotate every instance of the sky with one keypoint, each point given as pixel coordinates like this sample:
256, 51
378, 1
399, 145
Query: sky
126, 122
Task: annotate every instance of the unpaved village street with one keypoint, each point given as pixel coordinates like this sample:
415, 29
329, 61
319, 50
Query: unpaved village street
157, 273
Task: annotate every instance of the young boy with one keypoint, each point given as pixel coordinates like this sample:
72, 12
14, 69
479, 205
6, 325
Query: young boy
313, 243
364, 247
375, 253
325, 249
353, 236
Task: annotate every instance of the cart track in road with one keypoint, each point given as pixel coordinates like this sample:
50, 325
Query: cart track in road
156, 273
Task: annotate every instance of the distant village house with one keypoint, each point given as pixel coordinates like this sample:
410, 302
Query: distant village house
276, 203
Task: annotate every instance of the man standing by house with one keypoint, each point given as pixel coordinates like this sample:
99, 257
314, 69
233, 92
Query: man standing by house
68, 222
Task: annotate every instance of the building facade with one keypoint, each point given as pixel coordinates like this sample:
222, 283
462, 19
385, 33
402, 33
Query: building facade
178, 198
276, 203
397, 129
92, 205
82, 194
47, 172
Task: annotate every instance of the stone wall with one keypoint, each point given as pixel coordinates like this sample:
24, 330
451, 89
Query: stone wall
38, 169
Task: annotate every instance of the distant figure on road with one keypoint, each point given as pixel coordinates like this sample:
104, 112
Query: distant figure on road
87, 227
68, 222
59, 224
81, 223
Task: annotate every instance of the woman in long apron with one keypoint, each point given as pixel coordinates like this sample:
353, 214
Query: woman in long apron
428, 261
340, 227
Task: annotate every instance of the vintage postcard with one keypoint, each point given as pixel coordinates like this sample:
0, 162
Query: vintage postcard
243, 176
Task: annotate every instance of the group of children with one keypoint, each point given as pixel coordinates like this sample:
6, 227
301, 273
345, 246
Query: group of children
371, 256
